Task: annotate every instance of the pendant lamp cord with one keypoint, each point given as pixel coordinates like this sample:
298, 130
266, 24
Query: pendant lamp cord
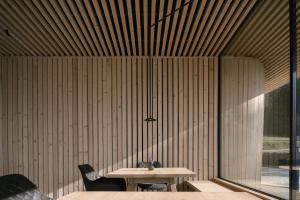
150, 67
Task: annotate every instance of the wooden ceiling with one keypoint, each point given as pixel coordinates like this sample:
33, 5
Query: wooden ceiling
119, 27
265, 35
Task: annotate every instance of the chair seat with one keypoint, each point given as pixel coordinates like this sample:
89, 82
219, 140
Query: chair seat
156, 186
151, 186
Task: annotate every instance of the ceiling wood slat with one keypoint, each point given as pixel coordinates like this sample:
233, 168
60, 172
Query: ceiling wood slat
205, 15
184, 34
231, 16
48, 25
146, 15
167, 28
194, 28
159, 32
72, 30
119, 18
131, 28
209, 23
265, 35
139, 28
184, 16
99, 34
172, 28
217, 24
90, 46
8, 49
13, 17
272, 19
16, 29
152, 15
12, 45
56, 24
116, 37
232, 28
102, 35
89, 28
36, 27
101, 20
122, 28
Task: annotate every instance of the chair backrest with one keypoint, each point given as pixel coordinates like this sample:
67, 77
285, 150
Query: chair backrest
17, 186
88, 173
143, 165
93, 182
156, 164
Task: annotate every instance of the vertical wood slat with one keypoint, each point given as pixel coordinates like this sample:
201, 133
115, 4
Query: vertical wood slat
55, 126
159, 109
100, 114
75, 122
79, 116
114, 114
120, 137
14, 117
139, 109
75, 110
30, 120
50, 125
60, 126
65, 127
40, 124
19, 127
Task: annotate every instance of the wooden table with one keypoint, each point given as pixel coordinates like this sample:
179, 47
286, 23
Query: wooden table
159, 196
158, 175
297, 167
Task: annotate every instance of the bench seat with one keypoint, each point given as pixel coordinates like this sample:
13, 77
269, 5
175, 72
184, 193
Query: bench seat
207, 186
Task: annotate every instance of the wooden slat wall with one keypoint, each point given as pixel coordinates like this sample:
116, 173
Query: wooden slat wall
242, 117
58, 112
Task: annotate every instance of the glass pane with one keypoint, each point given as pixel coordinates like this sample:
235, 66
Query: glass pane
255, 93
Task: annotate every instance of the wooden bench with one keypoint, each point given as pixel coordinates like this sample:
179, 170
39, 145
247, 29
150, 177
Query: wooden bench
206, 186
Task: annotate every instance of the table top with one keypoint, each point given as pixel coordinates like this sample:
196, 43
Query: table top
156, 173
159, 196
288, 167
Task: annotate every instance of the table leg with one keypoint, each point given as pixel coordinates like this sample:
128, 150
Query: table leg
172, 185
131, 185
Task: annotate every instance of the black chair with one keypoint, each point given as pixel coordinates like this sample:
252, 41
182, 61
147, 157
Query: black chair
18, 187
151, 186
93, 182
